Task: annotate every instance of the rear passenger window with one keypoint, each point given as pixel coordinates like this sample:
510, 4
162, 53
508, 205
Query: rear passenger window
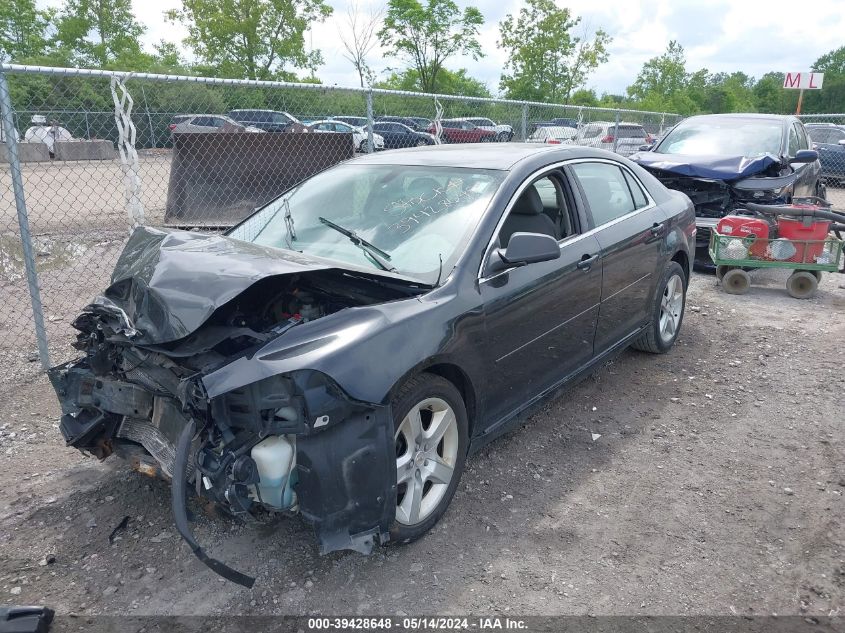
606, 190
636, 191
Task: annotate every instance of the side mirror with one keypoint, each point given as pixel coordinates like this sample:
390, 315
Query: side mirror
805, 156
645, 148
524, 248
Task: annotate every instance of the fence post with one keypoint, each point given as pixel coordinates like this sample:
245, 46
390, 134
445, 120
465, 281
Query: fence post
370, 121
87, 127
616, 132
7, 120
524, 121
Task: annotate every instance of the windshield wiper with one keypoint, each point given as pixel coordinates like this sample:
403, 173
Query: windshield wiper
376, 254
290, 231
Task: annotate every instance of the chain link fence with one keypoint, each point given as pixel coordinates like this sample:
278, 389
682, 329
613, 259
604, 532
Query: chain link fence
827, 133
86, 155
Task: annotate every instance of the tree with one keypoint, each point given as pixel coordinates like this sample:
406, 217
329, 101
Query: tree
100, 32
661, 84
427, 35
832, 62
255, 39
22, 30
448, 83
546, 61
361, 39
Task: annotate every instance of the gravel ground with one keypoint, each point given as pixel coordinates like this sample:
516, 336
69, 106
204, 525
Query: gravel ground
714, 487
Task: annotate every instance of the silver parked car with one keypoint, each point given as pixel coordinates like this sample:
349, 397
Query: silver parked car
553, 135
359, 135
208, 123
631, 136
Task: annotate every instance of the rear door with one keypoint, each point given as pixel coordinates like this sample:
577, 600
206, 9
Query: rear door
540, 318
630, 229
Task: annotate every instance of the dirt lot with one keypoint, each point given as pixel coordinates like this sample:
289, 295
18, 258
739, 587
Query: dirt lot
714, 486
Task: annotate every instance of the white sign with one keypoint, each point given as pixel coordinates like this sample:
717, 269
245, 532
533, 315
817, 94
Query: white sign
803, 81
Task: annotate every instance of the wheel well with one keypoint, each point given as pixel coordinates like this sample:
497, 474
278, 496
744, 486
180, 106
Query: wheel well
682, 258
457, 377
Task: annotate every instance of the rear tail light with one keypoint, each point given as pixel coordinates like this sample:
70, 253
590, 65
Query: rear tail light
553, 141
607, 139
172, 126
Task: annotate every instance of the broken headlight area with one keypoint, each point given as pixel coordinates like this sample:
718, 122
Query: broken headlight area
288, 443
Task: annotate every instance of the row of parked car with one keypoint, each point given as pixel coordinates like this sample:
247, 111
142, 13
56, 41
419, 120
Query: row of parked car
392, 132
389, 131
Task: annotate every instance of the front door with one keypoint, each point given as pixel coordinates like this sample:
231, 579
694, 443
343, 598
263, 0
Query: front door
540, 318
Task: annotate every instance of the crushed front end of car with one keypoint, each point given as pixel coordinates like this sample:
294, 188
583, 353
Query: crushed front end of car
719, 185
187, 315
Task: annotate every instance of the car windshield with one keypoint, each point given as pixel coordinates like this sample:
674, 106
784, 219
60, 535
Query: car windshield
417, 215
729, 137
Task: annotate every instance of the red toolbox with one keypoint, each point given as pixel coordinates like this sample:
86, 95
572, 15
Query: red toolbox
746, 226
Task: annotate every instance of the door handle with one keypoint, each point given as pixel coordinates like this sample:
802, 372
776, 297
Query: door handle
587, 262
657, 229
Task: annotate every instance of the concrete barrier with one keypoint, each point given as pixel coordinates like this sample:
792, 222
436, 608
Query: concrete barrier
218, 178
85, 150
27, 153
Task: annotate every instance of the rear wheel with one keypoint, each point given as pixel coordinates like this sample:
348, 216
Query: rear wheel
802, 284
667, 313
430, 438
736, 281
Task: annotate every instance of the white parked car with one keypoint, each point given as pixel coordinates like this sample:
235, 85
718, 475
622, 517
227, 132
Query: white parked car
503, 132
553, 135
359, 135
601, 134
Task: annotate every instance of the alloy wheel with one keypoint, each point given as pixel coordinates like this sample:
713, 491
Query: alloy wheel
671, 307
426, 454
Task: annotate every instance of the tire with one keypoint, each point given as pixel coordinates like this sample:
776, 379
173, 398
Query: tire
736, 282
721, 271
502, 137
667, 313
422, 143
430, 395
802, 284
363, 147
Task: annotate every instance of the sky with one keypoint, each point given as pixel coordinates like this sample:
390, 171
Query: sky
751, 36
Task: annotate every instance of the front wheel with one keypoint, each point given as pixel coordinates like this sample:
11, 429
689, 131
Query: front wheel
667, 312
430, 423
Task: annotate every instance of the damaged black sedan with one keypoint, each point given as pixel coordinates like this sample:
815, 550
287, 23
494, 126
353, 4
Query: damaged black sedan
723, 161
341, 351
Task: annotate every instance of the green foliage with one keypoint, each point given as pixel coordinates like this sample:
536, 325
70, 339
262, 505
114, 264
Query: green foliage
546, 61
253, 39
448, 83
23, 29
100, 33
427, 35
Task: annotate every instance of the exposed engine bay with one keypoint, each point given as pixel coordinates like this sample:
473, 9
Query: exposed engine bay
272, 446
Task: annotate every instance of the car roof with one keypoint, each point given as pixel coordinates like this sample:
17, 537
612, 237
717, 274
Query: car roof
480, 155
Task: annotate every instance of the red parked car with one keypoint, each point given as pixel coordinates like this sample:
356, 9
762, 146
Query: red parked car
455, 131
